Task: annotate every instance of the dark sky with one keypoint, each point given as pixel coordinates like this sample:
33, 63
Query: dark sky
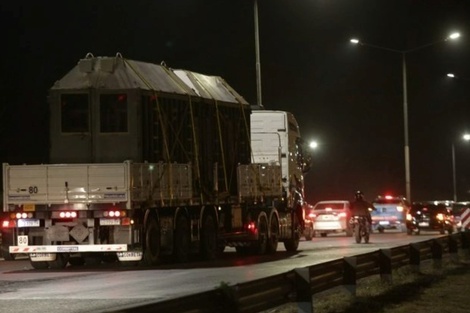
349, 98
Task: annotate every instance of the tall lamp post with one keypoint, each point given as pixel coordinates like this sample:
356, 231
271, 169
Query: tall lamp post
405, 97
465, 137
258, 64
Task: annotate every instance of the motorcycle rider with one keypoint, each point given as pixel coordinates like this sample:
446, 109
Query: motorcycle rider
360, 207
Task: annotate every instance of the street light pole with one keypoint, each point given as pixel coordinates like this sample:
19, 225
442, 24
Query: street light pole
454, 176
465, 137
405, 125
405, 99
258, 64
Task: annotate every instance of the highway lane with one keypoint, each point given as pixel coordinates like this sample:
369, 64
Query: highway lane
109, 286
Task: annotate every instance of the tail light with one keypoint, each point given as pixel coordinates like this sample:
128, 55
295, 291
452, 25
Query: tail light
440, 216
409, 217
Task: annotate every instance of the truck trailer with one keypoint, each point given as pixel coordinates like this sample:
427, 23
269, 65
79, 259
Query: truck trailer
148, 163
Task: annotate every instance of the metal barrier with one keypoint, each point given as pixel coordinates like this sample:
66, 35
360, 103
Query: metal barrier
298, 285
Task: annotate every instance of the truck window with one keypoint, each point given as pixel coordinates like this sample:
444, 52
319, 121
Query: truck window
113, 113
74, 113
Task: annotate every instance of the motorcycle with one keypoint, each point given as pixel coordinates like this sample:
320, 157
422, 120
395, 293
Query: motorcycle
361, 228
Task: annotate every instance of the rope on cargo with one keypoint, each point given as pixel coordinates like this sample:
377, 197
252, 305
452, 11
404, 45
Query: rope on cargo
219, 128
196, 150
165, 139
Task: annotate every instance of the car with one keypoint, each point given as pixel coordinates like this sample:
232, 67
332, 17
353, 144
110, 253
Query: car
456, 208
390, 213
331, 216
429, 216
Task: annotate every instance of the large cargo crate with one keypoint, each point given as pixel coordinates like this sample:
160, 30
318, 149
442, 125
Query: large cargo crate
111, 109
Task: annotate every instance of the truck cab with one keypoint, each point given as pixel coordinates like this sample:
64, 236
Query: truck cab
275, 139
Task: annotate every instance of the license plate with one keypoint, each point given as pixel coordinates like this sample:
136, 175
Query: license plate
129, 256
37, 257
109, 221
384, 222
423, 224
28, 222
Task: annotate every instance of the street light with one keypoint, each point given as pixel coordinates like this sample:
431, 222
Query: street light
313, 144
465, 137
405, 96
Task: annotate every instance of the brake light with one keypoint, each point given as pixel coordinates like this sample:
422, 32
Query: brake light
251, 227
6, 224
388, 197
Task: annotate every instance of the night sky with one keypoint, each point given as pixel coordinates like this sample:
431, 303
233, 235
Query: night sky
348, 98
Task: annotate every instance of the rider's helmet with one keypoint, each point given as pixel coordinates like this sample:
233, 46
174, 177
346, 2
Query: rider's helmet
359, 195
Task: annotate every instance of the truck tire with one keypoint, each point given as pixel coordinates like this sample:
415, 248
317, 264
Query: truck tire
273, 239
209, 244
61, 260
182, 239
292, 244
41, 265
152, 242
7, 241
261, 246
77, 261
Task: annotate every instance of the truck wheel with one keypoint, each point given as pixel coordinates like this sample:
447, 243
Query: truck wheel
7, 241
182, 239
152, 242
41, 265
77, 261
273, 239
61, 260
292, 244
261, 246
209, 244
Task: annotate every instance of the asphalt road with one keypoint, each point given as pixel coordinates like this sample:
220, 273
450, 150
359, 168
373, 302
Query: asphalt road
107, 287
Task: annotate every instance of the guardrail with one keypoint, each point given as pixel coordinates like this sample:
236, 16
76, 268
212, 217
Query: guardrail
298, 285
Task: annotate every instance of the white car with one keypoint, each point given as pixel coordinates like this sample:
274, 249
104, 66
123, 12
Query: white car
331, 217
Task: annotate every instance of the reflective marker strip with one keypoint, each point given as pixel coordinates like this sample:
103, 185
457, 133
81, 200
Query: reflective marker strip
465, 219
67, 248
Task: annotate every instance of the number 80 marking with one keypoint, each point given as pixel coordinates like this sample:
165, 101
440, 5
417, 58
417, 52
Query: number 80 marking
33, 189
